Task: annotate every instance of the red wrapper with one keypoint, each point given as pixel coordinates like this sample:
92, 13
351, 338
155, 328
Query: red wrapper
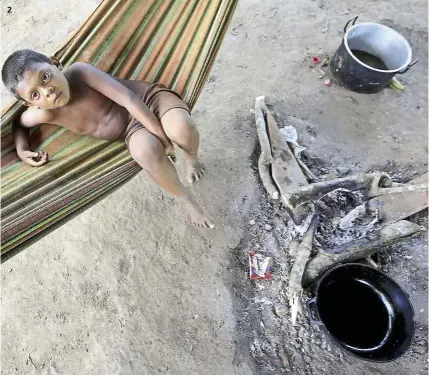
259, 266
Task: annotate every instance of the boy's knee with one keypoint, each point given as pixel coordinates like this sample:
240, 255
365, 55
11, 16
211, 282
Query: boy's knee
148, 150
187, 122
185, 129
190, 126
179, 125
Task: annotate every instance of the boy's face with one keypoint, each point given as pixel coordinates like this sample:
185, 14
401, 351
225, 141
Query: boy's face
44, 86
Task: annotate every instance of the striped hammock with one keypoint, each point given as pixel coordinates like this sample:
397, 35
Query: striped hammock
169, 41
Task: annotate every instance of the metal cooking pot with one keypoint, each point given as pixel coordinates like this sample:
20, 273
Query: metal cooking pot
364, 312
369, 56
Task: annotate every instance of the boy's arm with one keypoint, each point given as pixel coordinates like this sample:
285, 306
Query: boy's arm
20, 130
108, 86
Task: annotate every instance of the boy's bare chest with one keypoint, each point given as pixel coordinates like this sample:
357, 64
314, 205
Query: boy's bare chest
86, 110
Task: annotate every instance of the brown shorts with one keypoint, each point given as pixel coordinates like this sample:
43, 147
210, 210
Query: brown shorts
159, 99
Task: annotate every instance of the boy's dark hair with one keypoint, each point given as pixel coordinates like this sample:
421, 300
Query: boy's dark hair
15, 66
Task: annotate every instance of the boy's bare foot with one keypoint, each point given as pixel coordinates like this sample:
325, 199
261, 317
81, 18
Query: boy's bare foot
195, 168
198, 216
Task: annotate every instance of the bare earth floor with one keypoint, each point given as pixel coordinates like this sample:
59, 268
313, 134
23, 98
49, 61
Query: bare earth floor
130, 287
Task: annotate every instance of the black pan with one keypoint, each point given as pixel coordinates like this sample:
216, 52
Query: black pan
364, 312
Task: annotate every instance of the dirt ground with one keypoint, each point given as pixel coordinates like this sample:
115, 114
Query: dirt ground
129, 287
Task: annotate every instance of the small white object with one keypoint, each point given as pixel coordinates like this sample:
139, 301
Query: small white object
290, 135
262, 266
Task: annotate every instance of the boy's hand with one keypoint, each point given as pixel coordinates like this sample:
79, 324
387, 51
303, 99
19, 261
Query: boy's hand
169, 151
34, 159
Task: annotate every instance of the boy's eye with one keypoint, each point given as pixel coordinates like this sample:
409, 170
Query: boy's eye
35, 95
45, 77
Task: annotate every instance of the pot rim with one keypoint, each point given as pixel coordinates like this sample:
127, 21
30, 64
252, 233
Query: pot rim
407, 45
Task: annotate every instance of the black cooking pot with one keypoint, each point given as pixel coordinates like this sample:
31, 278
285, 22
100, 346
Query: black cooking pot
369, 56
364, 312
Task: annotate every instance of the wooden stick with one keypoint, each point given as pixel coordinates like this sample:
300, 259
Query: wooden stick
285, 170
395, 206
317, 190
307, 172
359, 249
402, 189
298, 268
265, 159
267, 181
420, 179
287, 173
261, 129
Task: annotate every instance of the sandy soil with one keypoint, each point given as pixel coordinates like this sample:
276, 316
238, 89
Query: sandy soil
130, 287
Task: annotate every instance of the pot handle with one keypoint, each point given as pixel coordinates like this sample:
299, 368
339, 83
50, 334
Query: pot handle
314, 316
348, 23
409, 66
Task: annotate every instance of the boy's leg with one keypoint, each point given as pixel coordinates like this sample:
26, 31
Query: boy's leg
149, 153
180, 128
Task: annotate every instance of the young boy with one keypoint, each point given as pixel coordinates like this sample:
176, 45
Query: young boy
149, 117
